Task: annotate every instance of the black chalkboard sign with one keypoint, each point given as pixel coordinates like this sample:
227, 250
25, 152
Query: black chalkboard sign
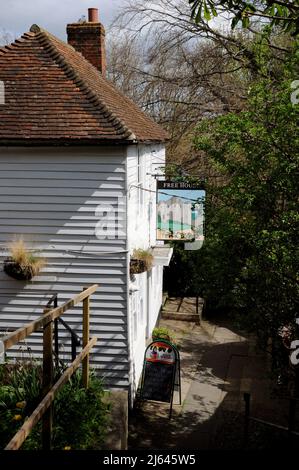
161, 364
158, 381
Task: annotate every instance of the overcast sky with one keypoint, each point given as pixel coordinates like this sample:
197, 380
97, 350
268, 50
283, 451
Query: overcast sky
16, 16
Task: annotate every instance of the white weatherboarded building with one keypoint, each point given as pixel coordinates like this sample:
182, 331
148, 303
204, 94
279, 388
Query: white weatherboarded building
76, 159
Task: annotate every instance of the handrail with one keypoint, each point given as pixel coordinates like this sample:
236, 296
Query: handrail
22, 333
289, 429
75, 339
40, 410
45, 409
53, 299
273, 425
71, 331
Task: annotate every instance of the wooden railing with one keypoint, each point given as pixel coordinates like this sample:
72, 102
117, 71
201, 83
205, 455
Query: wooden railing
290, 429
45, 408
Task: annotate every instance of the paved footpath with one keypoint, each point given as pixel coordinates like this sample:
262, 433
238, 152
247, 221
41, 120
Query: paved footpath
217, 366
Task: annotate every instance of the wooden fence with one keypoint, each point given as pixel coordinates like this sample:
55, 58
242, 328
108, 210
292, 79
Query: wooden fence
45, 408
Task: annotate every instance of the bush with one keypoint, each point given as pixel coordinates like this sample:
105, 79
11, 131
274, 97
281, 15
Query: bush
80, 416
182, 278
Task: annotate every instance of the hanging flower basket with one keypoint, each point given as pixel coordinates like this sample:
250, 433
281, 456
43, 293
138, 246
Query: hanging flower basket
22, 264
15, 270
141, 261
137, 266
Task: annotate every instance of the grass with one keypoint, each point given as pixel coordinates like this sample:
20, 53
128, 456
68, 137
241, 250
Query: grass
20, 255
145, 256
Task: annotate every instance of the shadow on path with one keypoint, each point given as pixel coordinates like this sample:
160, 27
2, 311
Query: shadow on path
217, 369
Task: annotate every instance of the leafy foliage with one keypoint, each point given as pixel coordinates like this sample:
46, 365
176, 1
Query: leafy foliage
182, 278
284, 14
80, 416
251, 254
20, 386
161, 332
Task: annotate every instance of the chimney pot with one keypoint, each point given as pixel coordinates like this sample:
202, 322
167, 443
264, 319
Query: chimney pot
93, 15
89, 39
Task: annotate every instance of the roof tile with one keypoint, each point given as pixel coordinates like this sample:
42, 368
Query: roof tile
52, 93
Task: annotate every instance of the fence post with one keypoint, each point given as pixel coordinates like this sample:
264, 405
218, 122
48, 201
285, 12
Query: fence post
85, 363
56, 333
247, 418
47, 381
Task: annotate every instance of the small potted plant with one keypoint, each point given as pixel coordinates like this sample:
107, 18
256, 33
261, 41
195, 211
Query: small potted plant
141, 261
161, 333
22, 264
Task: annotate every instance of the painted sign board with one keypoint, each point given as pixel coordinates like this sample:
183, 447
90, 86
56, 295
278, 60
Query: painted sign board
180, 211
160, 368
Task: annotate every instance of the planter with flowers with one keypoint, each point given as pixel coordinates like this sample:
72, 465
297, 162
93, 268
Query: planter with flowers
161, 333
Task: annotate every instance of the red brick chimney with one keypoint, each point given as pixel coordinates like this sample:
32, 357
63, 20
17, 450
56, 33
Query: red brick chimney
88, 37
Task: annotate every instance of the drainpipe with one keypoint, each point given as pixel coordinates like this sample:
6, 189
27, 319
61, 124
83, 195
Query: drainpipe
129, 319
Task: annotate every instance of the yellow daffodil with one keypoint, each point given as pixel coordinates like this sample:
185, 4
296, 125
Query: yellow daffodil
21, 404
17, 418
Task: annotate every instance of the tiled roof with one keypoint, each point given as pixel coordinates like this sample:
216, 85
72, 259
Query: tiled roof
53, 94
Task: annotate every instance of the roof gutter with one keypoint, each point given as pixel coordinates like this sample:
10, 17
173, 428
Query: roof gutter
63, 142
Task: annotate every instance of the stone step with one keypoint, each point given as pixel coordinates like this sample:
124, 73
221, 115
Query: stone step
169, 315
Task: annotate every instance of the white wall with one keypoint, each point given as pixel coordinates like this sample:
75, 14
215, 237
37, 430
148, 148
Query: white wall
53, 199
142, 204
50, 197
144, 305
155, 296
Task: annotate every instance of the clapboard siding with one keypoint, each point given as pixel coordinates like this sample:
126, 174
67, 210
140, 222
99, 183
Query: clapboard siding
50, 197
144, 304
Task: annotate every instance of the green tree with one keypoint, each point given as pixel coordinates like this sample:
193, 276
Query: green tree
249, 262
283, 14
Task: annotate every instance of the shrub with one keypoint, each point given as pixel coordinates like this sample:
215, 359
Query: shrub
20, 392
80, 416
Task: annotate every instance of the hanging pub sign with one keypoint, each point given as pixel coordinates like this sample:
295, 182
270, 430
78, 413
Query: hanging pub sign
161, 371
180, 211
